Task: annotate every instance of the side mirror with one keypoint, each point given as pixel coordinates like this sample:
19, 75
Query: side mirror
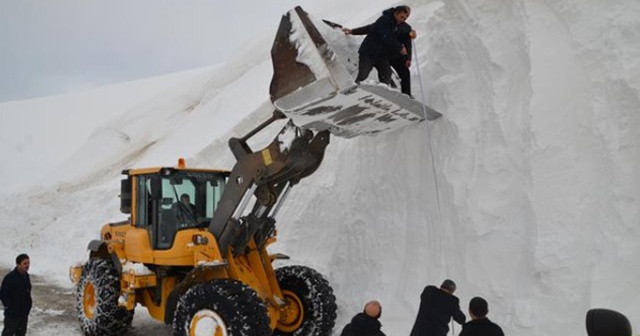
125, 195
605, 322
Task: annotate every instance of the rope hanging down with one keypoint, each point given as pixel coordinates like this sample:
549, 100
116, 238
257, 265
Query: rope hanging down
424, 110
433, 161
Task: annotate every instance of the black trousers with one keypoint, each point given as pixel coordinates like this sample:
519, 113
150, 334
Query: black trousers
400, 66
15, 326
366, 64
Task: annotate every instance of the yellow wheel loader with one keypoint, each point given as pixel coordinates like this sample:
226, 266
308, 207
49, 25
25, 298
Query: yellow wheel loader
203, 266
194, 249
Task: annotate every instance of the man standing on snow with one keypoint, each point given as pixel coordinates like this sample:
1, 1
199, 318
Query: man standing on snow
399, 62
381, 45
480, 324
366, 323
437, 307
15, 294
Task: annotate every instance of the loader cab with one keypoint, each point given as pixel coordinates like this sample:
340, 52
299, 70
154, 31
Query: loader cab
170, 199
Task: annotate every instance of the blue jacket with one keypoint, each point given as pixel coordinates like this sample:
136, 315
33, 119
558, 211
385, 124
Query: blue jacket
381, 41
15, 294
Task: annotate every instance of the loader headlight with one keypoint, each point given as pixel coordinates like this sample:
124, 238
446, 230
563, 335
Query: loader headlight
199, 240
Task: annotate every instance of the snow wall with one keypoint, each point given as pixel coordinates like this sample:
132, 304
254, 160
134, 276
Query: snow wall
527, 191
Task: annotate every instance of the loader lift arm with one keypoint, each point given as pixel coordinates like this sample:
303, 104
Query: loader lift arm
267, 174
313, 85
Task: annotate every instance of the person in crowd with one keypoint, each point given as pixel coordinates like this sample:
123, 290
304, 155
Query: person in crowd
15, 294
437, 307
381, 44
607, 322
399, 62
480, 325
365, 323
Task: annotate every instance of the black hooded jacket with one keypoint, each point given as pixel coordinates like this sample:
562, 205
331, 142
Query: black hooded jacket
381, 40
363, 325
402, 34
481, 327
436, 310
15, 294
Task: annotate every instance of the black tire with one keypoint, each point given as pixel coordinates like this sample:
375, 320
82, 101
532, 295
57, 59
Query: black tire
97, 296
309, 288
231, 303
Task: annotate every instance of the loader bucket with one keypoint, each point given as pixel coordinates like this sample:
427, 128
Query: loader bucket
314, 67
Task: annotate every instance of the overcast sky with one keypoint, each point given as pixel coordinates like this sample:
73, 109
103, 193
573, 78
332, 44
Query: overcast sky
51, 47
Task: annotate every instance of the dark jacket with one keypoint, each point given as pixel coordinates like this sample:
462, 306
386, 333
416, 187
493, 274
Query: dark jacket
15, 294
381, 41
481, 327
436, 310
363, 325
402, 35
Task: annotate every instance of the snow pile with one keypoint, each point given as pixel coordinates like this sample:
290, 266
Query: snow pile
135, 268
525, 193
55, 127
307, 52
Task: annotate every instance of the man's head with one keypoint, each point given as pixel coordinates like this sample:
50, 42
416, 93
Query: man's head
373, 309
401, 13
23, 263
478, 308
605, 322
184, 198
448, 286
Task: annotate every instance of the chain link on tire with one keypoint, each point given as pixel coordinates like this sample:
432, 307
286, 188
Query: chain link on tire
221, 307
97, 296
309, 294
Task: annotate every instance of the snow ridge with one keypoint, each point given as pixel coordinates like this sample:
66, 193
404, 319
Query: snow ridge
537, 158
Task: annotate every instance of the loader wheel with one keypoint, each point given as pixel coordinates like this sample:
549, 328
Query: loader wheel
97, 296
221, 307
310, 304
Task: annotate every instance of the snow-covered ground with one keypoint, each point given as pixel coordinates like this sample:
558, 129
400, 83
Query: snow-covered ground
526, 192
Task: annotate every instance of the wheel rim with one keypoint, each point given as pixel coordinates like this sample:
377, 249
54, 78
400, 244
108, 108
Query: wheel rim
207, 323
292, 314
89, 300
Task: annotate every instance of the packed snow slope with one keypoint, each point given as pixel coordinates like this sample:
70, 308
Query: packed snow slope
526, 192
